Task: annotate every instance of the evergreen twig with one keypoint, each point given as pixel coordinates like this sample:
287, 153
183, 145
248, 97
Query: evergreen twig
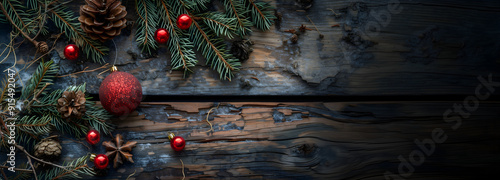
65, 20
183, 57
147, 24
262, 17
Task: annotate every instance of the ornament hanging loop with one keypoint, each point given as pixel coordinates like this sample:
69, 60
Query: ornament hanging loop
114, 68
171, 136
92, 157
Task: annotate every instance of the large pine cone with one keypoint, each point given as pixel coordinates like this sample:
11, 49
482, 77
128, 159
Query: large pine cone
103, 19
48, 149
72, 104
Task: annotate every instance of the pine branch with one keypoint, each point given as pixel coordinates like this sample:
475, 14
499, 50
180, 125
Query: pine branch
218, 23
65, 20
235, 9
196, 6
45, 73
182, 55
147, 24
98, 118
35, 125
16, 11
14, 17
261, 15
72, 170
214, 50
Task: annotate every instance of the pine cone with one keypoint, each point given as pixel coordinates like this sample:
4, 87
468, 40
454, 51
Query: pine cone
242, 49
102, 19
48, 149
71, 104
42, 47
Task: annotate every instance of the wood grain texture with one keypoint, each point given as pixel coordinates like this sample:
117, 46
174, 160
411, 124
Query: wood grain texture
429, 48
304, 141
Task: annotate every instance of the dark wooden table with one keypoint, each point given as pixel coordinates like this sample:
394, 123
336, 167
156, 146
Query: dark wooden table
352, 105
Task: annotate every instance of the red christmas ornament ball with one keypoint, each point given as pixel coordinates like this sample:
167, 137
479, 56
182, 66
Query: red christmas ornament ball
101, 161
177, 143
120, 93
161, 36
184, 21
71, 52
93, 137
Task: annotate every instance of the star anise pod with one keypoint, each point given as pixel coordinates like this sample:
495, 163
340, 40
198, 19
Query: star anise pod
118, 151
71, 104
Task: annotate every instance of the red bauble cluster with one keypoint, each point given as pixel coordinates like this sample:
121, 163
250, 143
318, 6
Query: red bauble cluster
161, 36
71, 52
120, 93
177, 143
93, 137
101, 161
184, 21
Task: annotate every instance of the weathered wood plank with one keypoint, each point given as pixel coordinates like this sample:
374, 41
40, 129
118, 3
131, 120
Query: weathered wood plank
429, 48
345, 140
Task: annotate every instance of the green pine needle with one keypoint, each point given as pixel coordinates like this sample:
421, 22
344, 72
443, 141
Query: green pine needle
214, 50
65, 20
45, 73
261, 13
235, 9
74, 170
179, 45
146, 25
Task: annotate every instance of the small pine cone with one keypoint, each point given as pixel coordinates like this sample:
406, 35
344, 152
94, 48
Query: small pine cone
48, 149
42, 47
294, 38
71, 104
242, 49
102, 19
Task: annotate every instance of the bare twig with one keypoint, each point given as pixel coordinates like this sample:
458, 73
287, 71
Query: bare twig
131, 175
183, 175
314, 25
209, 111
39, 160
86, 71
53, 47
36, 43
17, 169
333, 11
32, 168
3, 173
35, 98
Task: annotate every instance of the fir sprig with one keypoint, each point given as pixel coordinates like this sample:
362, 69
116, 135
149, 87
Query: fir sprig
214, 51
45, 73
41, 117
74, 170
219, 23
208, 32
262, 16
179, 45
235, 9
147, 24
65, 20
17, 11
